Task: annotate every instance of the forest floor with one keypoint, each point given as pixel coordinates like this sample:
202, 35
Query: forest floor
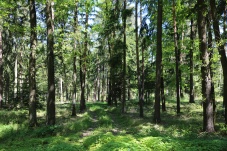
103, 128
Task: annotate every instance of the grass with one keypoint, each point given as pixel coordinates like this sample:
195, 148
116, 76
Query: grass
103, 128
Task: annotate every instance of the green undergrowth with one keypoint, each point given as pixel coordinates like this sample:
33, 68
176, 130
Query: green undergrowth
103, 128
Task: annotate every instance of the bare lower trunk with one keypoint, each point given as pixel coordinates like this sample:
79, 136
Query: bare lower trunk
157, 117
177, 59
32, 66
123, 110
50, 48
208, 118
221, 51
138, 62
192, 37
1, 70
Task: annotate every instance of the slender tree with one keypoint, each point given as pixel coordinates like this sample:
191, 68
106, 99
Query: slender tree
163, 92
143, 46
192, 38
124, 59
176, 58
50, 50
83, 62
208, 119
157, 117
1, 69
74, 61
137, 60
32, 65
210, 49
221, 51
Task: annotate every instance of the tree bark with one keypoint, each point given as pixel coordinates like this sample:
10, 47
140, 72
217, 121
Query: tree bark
74, 61
50, 49
1, 70
110, 92
61, 89
74, 86
83, 63
32, 66
137, 60
143, 46
205, 69
221, 51
157, 117
163, 93
15, 77
192, 38
177, 58
123, 110
211, 51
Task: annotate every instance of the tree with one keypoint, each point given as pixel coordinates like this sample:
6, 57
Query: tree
157, 117
137, 59
124, 17
192, 38
32, 65
1, 69
50, 49
74, 61
221, 51
208, 120
177, 58
83, 61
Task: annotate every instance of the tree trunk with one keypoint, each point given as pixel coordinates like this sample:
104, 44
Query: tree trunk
177, 58
124, 60
15, 78
20, 78
210, 48
157, 117
83, 66
163, 93
221, 51
1, 70
7, 85
205, 69
103, 83
74, 62
50, 49
98, 83
143, 46
137, 60
192, 38
61, 89
74, 86
109, 80
129, 85
32, 66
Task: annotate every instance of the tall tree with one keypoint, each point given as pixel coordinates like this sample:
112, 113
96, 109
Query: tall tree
32, 65
157, 117
221, 51
210, 48
138, 60
208, 119
75, 60
50, 50
176, 57
124, 58
192, 38
1, 69
143, 46
83, 61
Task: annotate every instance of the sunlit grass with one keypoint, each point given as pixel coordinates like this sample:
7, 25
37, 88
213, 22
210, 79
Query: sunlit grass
103, 128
